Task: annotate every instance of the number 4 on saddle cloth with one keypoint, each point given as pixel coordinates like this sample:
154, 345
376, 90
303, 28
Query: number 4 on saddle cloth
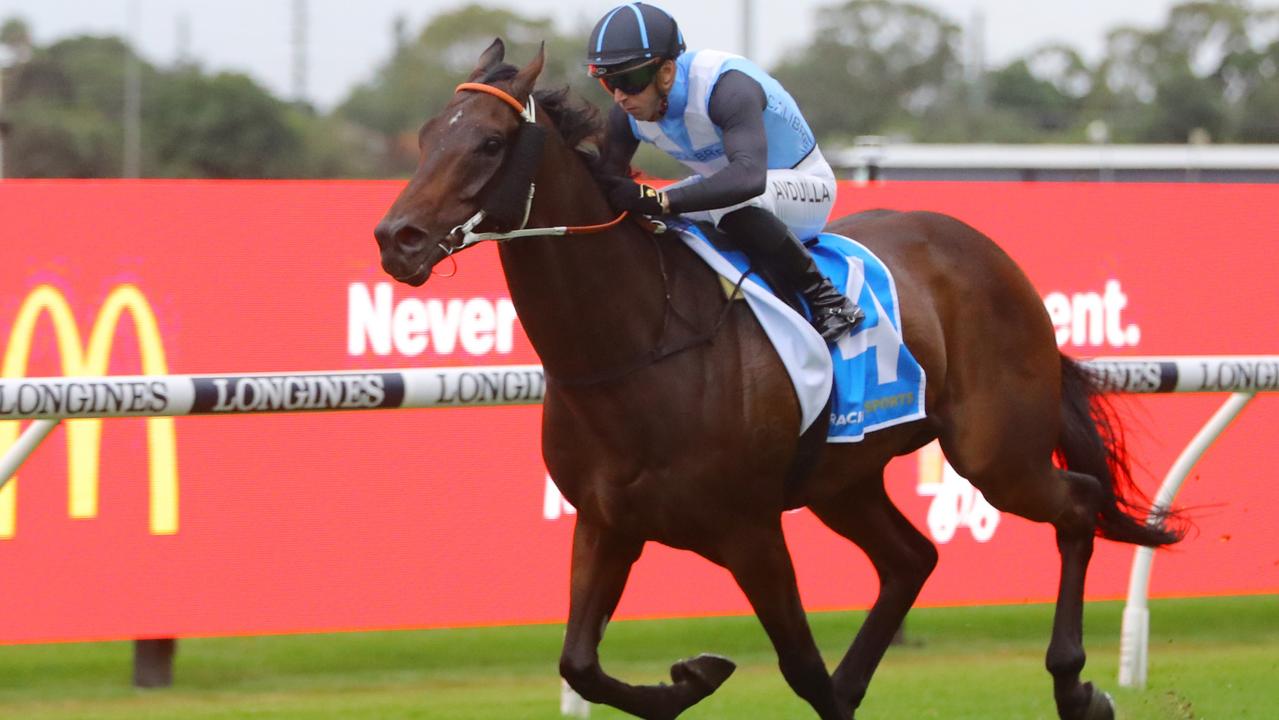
869, 375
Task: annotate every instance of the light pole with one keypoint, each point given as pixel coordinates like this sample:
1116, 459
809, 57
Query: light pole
15, 49
133, 95
7, 58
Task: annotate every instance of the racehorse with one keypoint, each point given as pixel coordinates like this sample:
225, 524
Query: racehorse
669, 417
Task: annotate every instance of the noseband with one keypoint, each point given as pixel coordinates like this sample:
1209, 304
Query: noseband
521, 166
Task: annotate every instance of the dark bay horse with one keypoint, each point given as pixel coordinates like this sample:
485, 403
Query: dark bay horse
669, 417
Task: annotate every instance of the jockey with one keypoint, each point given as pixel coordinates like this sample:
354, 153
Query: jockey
758, 173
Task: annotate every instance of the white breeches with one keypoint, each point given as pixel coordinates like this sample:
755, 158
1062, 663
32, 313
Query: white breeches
802, 196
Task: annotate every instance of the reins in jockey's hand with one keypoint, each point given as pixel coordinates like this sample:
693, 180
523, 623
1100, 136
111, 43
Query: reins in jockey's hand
516, 184
627, 195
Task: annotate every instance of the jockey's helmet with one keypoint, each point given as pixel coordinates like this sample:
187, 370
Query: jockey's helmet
631, 35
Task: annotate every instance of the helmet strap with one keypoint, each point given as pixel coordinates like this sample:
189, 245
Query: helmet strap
663, 95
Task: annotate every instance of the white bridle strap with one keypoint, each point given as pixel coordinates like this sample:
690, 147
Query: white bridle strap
528, 111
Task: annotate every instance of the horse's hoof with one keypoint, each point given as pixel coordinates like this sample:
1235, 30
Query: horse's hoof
706, 672
1100, 705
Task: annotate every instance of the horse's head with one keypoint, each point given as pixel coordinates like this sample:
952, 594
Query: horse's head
474, 155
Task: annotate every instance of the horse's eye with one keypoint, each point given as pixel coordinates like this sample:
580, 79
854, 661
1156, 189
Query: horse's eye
492, 146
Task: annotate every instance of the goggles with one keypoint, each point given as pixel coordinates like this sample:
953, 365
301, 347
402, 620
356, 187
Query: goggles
632, 81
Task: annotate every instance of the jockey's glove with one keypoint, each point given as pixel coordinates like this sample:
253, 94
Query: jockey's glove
624, 194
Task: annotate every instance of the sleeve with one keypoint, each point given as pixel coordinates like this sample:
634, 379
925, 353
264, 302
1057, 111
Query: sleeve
619, 144
737, 108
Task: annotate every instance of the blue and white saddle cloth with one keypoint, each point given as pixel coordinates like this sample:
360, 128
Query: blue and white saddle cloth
876, 382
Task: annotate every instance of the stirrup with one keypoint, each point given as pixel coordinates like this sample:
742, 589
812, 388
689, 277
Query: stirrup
832, 322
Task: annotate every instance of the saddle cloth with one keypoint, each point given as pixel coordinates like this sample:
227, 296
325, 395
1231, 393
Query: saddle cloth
869, 375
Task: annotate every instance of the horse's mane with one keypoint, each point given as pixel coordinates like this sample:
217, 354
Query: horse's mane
577, 120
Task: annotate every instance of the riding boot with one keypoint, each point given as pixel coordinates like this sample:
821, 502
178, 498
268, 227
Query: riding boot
834, 313
787, 264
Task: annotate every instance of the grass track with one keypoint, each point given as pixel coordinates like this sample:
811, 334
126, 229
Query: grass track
1210, 659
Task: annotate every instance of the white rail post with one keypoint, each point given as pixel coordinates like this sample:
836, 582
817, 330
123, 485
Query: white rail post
1134, 637
571, 704
18, 453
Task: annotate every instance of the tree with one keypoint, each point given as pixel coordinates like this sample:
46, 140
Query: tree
1259, 106
66, 107
420, 76
874, 64
15, 34
1045, 89
1199, 71
220, 126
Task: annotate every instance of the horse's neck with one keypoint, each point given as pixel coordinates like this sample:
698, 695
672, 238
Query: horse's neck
588, 303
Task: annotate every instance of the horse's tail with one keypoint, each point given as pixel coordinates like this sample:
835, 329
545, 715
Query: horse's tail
1092, 443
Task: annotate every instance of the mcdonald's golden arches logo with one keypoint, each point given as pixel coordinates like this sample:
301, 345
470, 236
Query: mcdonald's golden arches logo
84, 436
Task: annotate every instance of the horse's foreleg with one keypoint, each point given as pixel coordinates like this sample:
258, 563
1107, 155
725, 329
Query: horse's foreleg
601, 563
1065, 660
761, 564
903, 559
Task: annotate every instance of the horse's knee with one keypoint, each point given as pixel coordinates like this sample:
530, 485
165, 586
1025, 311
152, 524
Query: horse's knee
906, 577
581, 674
910, 566
926, 558
1065, 660
1085, 497
806, 675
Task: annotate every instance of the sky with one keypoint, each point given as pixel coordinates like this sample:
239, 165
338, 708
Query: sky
347, 40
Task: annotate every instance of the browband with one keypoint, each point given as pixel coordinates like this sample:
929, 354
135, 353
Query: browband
526, 113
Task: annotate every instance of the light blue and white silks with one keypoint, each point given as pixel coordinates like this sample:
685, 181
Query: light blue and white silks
877, 382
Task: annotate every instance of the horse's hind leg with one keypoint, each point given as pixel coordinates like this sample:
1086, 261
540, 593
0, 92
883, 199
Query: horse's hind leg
1070, 501
902, 557
601, 564
1075, 528
761, 565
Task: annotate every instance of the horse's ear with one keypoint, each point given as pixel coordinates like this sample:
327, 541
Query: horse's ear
490, 57
527, 77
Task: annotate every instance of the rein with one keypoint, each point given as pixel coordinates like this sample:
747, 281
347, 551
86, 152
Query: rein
522, 153
661, 351
523, 147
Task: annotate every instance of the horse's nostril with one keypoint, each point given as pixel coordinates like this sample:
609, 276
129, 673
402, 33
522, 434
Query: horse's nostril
409, 239
400, 236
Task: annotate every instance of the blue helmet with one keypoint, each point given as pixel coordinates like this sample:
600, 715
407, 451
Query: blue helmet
632, 34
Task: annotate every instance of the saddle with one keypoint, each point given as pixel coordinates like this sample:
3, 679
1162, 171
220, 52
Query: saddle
869, 377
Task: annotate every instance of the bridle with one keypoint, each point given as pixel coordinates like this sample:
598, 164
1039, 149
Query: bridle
525, 156
526, 153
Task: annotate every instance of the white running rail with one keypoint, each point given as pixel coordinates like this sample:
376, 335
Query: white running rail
1241, 376
47, 401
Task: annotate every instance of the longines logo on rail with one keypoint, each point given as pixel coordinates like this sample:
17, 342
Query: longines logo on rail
291, 393
84, 436
84, 398
377, 322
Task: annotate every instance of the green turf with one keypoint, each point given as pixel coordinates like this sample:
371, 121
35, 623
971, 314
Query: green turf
1210, 658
